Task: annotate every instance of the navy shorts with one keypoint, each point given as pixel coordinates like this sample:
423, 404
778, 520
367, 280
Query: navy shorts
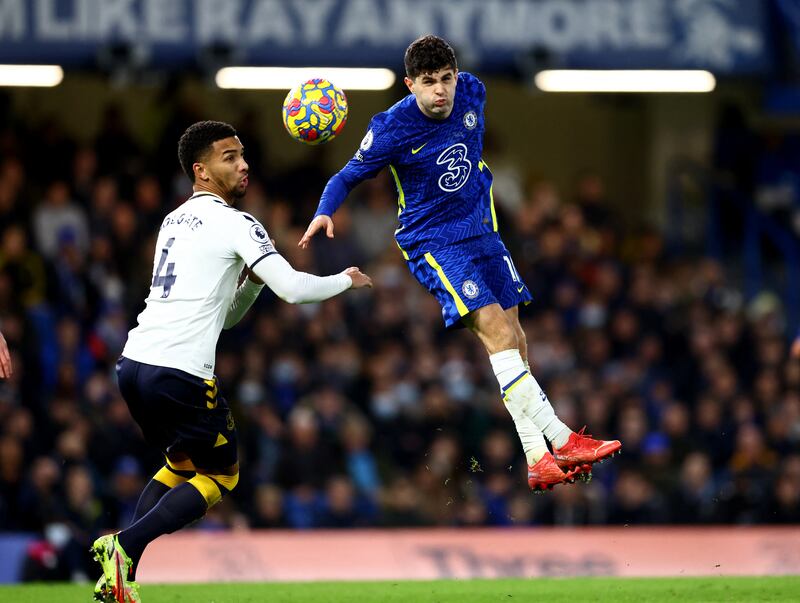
469, 275
180, 413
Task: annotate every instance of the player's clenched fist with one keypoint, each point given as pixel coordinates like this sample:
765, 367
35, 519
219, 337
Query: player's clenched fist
359, 278
317, 224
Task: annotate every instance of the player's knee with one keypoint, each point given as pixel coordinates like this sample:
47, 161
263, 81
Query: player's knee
522, 340
213, 486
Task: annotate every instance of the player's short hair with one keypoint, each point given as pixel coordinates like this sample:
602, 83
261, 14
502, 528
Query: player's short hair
196, 141
428, 54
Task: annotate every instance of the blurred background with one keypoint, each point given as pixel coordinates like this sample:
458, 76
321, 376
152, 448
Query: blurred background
659, 233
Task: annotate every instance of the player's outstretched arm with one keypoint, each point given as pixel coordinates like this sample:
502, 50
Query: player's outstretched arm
245, 295
318, 223
5, 359
368, 161
297, 287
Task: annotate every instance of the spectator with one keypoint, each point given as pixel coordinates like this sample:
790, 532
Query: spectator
364, 411
268, 509
58, 220
635, 501
694, 496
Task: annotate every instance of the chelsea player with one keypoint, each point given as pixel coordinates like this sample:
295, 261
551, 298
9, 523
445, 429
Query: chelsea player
432, 142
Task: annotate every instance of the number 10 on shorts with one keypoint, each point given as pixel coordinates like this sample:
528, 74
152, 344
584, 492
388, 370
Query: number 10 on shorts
514, 274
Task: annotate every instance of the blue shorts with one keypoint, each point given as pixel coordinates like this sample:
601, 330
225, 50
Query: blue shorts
469, 275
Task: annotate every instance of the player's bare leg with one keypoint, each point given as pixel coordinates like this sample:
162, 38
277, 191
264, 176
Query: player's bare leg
496, 331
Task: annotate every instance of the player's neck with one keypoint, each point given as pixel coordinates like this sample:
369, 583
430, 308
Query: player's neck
208, 187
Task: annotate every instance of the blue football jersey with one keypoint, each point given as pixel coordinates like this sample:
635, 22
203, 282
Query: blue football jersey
444, 188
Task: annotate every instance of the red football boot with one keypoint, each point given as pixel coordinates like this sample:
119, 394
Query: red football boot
545, 473
581, 451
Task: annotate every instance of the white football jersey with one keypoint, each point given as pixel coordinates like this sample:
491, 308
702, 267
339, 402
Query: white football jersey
201, 250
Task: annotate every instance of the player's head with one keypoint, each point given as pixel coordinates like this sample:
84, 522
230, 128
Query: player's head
212, 156
431, 71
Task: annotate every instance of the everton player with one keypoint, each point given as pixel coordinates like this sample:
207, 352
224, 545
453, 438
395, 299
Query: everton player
211, 261
432, 142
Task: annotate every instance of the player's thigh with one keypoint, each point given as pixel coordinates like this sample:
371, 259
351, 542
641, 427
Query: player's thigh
451, 276
208, 437
140, 386
183, 415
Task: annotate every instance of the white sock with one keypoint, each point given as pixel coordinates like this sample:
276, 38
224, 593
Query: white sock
542, 414
523, 391
507, 366
561, 436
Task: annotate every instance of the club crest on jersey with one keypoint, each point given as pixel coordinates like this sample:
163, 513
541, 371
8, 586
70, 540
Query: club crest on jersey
470, 120
470, 289
258, 234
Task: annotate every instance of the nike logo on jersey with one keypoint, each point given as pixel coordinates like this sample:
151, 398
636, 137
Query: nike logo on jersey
417, 150
520, 288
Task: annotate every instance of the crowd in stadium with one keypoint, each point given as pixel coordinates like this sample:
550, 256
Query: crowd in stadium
363, 410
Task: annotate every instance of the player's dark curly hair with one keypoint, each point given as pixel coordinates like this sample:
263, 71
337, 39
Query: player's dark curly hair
428, 54
197, 140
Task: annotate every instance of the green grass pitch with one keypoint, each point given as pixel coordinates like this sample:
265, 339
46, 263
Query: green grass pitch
616, 590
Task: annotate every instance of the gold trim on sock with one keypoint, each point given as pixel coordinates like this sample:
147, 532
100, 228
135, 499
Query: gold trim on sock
207, 488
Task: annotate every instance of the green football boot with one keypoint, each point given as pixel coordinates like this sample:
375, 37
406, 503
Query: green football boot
114, 585
101, 592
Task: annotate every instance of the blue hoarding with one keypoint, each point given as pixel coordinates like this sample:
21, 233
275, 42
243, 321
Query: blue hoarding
726, 36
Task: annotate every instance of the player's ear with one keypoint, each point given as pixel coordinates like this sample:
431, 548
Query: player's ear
409, 84
199, 171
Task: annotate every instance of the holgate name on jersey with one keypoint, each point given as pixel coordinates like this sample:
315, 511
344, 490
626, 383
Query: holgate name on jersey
190, 221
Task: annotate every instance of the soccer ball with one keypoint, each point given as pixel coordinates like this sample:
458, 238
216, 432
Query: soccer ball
315, 111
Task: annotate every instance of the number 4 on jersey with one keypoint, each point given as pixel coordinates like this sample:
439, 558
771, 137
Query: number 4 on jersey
168, 278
